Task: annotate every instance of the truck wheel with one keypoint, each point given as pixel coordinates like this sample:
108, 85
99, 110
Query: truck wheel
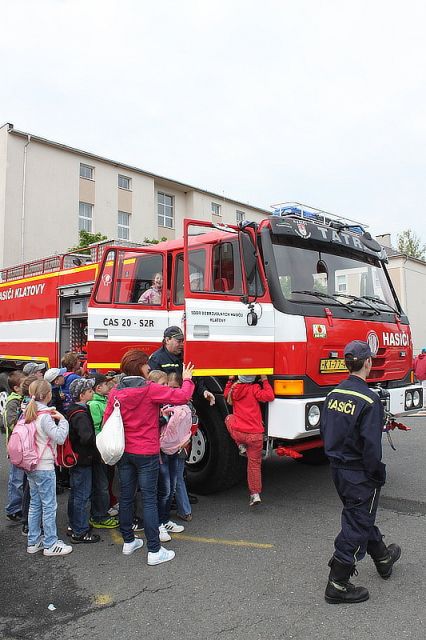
214, 463
314, 457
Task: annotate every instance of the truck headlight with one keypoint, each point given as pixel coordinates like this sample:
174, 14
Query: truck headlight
408, 400
416, 398
313, 416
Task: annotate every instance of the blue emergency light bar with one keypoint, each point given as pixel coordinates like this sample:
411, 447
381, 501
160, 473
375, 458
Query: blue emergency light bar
308, 213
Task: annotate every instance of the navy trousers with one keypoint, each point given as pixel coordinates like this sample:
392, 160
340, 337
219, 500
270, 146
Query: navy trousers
360, 498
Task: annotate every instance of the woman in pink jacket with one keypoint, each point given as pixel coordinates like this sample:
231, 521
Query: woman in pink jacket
140, 401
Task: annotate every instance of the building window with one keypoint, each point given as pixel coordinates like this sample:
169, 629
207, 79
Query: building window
165, 210
123, 225
85, 217
124, 182
341, 282
240, 216
216, 209
86, 171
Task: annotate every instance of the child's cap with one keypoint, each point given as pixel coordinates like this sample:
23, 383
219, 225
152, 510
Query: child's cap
247, 379
32, 367
99, 378
52, 374
79, 386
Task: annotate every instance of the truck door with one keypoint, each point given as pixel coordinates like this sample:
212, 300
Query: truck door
129, 305
229, 319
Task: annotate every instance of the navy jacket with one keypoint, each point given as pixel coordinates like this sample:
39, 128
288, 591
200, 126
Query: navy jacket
163, 360
351, 427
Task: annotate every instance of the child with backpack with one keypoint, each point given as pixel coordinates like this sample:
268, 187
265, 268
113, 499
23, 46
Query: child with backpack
183, 505
25, 391
51, 429
71, 363
175, 424
16, 475
100, 516
245, 425
83, 441
168, 470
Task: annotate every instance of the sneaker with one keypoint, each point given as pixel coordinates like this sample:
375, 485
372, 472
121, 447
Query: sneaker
129, 547
85, 538
242, 449
255, 499
24, 530
163, 555
137, 525
58, 549
38, 546
14, 517
106, 523
113, 512
172, 527
164, 536
186, 517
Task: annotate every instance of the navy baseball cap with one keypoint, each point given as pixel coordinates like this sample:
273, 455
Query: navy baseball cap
174, 332
358, 350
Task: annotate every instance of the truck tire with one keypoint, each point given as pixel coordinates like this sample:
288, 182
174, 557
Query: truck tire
214, 464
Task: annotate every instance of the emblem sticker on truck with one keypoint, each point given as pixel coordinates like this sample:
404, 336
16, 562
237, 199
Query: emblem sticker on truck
319, 330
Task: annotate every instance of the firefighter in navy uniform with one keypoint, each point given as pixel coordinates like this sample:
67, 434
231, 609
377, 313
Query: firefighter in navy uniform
351, 427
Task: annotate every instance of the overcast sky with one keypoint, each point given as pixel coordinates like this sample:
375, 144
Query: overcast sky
321, 101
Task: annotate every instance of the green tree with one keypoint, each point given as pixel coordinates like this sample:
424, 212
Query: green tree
87, 238
153, 240
410, 244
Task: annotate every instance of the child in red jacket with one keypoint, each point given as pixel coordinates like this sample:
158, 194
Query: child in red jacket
246, 425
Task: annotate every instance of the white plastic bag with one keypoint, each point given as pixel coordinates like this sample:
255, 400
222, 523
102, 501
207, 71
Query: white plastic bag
110, 441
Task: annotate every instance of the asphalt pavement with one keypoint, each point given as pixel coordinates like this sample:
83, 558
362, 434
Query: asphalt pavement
238, 573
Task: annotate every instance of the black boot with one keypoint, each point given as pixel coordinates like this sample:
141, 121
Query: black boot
339, 589
384, 557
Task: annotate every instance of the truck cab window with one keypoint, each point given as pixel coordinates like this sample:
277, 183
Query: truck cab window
227, 277
197, 280
139, 278
105, 283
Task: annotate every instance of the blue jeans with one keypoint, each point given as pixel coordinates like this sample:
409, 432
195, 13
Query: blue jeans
14, 490
167, 485
100, 491
181, 494
80, 492
133, 470
42, 507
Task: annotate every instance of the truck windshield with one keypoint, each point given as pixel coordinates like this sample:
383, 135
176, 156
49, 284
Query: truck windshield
306, 271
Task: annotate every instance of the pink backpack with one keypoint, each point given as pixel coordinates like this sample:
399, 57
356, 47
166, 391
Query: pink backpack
22, 446
177, 431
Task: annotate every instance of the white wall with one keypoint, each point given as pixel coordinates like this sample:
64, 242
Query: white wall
54, 189
51, 201
409, 279
3, 168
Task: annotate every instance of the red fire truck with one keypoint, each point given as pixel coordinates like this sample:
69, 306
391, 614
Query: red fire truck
280, 298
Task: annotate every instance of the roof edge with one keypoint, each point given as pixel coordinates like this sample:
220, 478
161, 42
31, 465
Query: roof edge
87, 154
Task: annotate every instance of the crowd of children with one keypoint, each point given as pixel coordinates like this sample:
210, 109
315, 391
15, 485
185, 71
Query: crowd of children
62, 403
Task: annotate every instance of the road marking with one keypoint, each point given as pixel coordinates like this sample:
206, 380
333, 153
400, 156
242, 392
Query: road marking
103, 599
116, 536
117, 539
230, 543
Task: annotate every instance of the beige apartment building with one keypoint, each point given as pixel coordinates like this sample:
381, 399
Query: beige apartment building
49, 191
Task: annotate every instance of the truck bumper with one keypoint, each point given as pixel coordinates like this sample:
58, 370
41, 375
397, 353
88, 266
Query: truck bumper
289, 418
